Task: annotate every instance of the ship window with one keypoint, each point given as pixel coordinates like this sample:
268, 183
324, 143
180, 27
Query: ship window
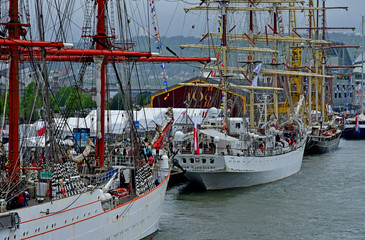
338, 87
65, 221
212, 161
345, 95
339, 95
184, 160
191, 160
238, 125
350, 94
335, 95
204, 161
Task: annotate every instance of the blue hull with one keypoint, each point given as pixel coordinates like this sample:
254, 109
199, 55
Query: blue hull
350, 133
323, 145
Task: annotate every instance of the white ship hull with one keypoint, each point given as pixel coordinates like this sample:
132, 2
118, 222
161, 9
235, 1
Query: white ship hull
240, 171
83, 217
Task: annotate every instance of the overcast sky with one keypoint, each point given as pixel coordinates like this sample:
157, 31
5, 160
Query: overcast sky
172, 17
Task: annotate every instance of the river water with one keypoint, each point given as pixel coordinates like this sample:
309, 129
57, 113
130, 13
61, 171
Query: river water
325, 200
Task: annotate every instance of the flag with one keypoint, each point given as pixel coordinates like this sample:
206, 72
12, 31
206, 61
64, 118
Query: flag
196, 141
257, 69
42, 129
357, 126
254, 81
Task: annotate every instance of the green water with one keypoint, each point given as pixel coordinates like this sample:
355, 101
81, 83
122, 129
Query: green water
325, 200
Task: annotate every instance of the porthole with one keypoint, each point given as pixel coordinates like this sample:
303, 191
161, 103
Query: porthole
184, 160
73, 219
204, 161
65, 221
191, 160
212, 161
88, 213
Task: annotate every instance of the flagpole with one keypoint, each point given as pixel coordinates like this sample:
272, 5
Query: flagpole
362, 65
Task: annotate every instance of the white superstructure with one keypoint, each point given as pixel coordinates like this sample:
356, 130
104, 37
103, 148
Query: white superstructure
94, 214
243, 158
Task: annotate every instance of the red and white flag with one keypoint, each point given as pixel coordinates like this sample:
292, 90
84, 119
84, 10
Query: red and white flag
42, 129
357, 125
196, 141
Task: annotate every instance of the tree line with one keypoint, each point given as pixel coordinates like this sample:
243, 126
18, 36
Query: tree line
68, 100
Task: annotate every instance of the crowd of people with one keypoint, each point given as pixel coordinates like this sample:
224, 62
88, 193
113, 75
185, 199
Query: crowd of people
18, 199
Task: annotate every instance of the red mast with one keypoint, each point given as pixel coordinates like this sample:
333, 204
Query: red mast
13, 29
100, 45
101, 55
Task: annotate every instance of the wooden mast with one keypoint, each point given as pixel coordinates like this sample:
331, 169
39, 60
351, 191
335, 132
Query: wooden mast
323, 80
13, 27
224, 50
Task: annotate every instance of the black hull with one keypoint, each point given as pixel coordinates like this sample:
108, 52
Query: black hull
177, 178
350, 133
322, 144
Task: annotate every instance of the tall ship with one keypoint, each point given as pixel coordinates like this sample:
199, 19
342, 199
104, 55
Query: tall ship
325, 132
226, 150
354, 127
103, 189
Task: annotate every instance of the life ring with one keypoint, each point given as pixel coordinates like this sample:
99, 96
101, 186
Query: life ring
120, 192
